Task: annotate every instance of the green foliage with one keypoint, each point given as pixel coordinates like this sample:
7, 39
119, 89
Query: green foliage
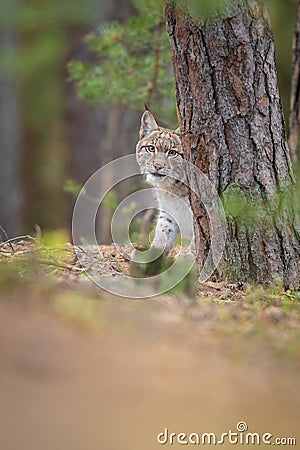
239, 206
72, 187
142, 267
49, 19
132, 63
110, 201
188, 284
159, 265
259, 211
30, 15
204, 9
11, 274
54, 238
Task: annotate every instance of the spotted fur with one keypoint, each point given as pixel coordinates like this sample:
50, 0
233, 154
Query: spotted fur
159, 154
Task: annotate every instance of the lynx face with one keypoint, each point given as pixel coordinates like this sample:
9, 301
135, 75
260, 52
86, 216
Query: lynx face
159, 153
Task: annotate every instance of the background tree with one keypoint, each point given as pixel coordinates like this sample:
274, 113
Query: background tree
294, 120
233, 130
44, 28
10, 129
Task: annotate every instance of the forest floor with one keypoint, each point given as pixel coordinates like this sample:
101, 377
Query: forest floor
82, 369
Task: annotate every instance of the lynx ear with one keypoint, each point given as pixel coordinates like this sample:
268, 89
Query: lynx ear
148, 124
177, 131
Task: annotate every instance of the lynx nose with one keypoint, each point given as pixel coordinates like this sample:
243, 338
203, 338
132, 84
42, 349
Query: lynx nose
158, 165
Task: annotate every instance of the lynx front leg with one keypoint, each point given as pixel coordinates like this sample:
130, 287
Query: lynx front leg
165, 232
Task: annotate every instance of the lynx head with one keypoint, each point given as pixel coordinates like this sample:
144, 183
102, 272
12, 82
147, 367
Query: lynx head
159, 153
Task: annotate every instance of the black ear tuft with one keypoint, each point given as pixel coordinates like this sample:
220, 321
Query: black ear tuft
148, 124
146, 107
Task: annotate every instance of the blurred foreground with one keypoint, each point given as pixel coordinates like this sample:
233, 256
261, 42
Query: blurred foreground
83, 370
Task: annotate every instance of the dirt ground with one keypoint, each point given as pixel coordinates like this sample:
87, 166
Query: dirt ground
81, 369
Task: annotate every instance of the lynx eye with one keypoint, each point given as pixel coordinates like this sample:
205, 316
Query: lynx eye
149, 148
172, 152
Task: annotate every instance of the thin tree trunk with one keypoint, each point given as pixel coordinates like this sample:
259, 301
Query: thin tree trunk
10, 134
294, 121
233, 130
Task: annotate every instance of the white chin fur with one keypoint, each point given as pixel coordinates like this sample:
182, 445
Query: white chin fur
153, 179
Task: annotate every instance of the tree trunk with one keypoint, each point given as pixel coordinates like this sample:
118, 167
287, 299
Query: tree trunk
294, 121
10, 133
233, 130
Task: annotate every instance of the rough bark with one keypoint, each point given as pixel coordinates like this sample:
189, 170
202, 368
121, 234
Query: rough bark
294, 122
233, 130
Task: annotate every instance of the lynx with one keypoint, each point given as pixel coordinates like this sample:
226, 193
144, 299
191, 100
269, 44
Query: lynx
159, 154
